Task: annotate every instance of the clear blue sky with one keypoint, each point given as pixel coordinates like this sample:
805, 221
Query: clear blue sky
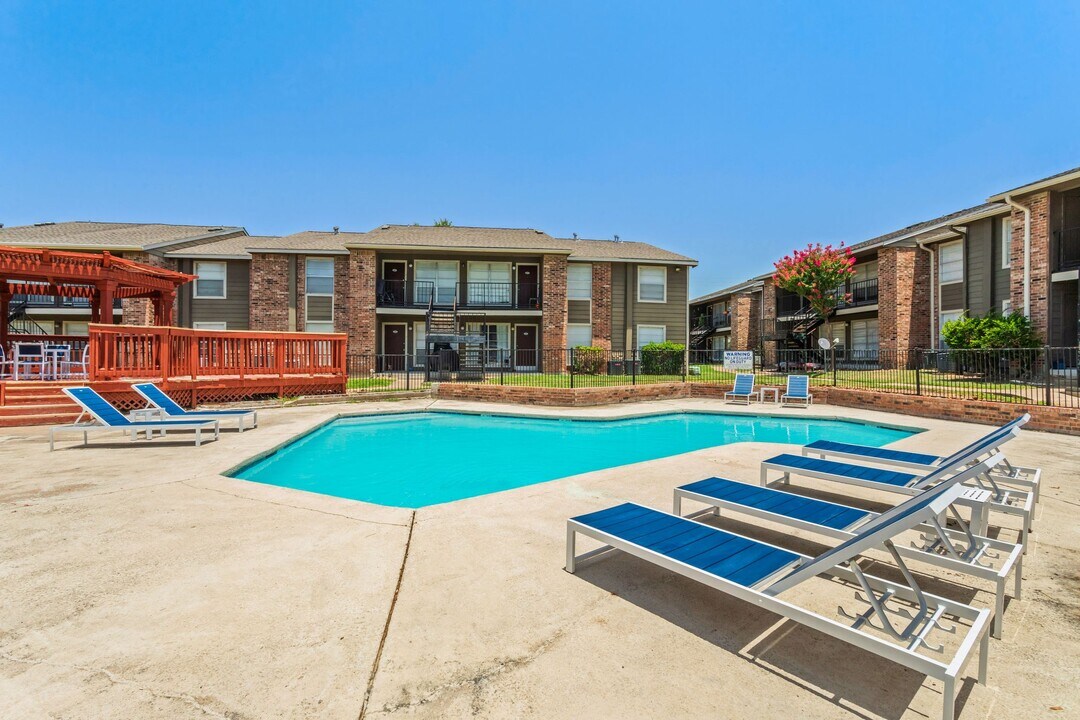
730, 132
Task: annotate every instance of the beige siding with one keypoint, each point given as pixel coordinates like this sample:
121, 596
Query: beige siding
1000, 290
672, 313
233, 310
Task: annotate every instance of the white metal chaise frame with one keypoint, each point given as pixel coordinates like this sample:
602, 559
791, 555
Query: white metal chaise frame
1010, 554
746, 397
832, 564
99, 424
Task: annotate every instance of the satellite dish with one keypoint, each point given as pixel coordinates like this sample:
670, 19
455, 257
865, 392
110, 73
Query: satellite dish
824, 343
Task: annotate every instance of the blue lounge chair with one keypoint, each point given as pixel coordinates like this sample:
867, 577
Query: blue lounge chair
985, 494
760, 573
1024, 477
798, 391
107, 418
157, 398
743, 389
955, 550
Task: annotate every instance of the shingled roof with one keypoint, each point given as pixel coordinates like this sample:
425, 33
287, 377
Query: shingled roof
108, 236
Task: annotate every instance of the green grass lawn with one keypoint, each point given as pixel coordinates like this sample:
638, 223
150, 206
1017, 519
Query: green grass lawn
368, 383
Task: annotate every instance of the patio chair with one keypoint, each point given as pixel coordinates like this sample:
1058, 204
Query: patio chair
158, 399
28, 360
1025, 477
983, 494
106, 418
798, 391
7, 367
956, 550
743, 389
76, 369
900, 618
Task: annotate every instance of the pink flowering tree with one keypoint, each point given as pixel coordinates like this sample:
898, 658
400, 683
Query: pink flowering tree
816, 273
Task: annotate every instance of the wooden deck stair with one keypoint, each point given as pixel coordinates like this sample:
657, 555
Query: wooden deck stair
37, 403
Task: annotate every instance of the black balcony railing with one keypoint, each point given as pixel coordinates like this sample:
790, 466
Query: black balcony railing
51, 301
789, 304
472, 295
495, 295
407, 293
863, 292
1068, 244
718, 320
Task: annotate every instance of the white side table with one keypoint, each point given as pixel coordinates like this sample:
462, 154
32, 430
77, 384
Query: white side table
774, 391
148, 414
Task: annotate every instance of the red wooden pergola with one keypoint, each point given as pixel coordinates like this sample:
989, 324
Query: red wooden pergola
99, 277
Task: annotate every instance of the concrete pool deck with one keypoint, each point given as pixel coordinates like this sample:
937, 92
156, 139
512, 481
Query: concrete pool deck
138, 582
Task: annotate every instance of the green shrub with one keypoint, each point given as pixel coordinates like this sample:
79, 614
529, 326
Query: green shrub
587, 359
663, 358
991, 332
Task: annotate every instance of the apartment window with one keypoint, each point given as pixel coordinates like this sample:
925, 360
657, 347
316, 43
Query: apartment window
76, 328
652, 284
210, 326
210, 280
1006, 243
498, 341
1006, 307
864, 335
319, 295
579, 281
647, 334
951, 262
489, 283
579, 335
865, 271
436, 276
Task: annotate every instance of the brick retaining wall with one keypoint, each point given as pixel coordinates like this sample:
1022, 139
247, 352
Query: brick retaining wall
1051, 419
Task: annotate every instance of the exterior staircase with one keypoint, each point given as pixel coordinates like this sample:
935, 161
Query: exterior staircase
37, 403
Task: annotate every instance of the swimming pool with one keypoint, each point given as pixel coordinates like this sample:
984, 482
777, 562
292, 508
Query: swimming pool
416, 459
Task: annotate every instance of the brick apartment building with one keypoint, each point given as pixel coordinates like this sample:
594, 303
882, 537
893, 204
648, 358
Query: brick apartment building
519, 291
1019, 251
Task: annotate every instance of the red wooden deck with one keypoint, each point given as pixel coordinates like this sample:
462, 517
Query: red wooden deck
193, 366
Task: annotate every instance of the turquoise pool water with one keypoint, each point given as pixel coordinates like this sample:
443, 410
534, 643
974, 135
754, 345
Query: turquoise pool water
416, 459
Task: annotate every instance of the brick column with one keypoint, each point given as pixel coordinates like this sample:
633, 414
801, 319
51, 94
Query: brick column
342, 319
1040, 262
904, 307
742, 321
767, 311
140, 311
360, 302
553, 304
601, 305
269, 292
301, 290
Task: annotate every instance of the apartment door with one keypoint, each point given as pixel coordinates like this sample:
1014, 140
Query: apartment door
393, 284
525, 347
528, 287
393, 347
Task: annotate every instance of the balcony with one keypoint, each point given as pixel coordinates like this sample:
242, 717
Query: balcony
52, 302
717, 321
1068, 248
864, 292
469, 295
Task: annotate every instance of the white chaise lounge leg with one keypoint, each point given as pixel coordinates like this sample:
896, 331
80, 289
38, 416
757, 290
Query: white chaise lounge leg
198, 437
571, 547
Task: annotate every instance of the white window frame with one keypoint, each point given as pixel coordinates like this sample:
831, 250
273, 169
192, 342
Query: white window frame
941, 262
308, 295
195, 294
863, 327
579, 326
209, 326
637, 335
1006, 307
662, 268
1006, 243
585, 268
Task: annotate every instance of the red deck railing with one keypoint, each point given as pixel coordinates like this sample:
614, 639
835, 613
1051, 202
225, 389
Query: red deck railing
169, 353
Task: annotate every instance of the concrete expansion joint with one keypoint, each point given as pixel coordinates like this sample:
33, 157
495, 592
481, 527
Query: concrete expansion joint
118, 680
294, 507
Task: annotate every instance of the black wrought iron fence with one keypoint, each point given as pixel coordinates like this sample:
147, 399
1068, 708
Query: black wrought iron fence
1037, 376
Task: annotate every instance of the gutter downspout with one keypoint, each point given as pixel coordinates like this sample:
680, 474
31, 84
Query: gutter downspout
1027, 251
933, 308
